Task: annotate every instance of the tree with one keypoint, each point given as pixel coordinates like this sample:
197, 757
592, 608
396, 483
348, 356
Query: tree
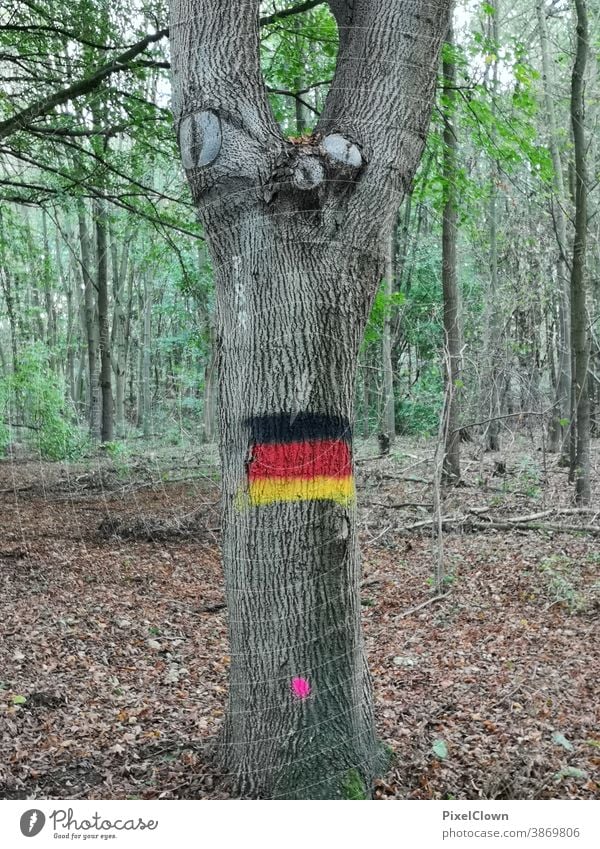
494, 375
579, 320
563, 379
298, 235
387, 363
452, 332
103, 322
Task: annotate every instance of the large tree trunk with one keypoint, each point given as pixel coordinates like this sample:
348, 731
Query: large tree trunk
290, 547
452, 329
298, 237
579, 321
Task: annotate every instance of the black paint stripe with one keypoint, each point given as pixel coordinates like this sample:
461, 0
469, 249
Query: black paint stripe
298, 427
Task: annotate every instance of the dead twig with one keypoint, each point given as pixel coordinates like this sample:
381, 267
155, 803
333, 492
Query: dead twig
422, 605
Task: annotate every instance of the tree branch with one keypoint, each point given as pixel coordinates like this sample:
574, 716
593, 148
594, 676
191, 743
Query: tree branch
51, 29
84, 86
122, 62
293, 10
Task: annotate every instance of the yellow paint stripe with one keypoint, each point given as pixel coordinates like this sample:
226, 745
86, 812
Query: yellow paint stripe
270, 490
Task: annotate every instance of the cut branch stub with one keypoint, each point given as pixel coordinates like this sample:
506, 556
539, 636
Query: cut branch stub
308, 173
200, 139
342, 151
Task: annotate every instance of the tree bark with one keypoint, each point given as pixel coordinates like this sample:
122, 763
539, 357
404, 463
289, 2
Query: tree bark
298, 236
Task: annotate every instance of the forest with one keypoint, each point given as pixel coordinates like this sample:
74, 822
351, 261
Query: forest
300, 399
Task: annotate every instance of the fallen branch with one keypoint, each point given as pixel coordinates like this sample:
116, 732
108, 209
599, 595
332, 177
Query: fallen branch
452, 523
14, 489
565, 511
593, 530
422, 605
212, 608
399, 506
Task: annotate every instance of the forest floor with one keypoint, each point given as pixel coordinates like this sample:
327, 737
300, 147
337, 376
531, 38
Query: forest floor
113, 637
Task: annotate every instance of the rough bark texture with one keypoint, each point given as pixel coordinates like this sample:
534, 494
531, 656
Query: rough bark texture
579, 319
452, 329
298, 235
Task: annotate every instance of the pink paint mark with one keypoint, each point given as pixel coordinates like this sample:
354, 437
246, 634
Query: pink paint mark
300, 688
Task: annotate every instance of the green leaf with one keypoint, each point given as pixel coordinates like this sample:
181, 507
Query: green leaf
564, 422
440, 749
570, 772
19, 700
561, 740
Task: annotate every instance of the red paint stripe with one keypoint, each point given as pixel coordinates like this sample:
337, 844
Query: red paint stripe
304, 460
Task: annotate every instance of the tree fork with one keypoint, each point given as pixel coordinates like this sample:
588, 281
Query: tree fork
298, 235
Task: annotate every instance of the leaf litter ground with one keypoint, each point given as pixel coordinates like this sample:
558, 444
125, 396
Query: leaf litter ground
113, 635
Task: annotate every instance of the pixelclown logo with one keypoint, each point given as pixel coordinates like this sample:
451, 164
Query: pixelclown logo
32, 822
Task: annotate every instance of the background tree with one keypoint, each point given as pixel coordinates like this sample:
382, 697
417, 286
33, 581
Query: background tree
452, 331
579, 316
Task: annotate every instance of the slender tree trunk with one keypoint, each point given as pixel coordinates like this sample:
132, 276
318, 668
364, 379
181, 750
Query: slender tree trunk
299, 82
121, 300
579, 320
494, 377
91, 323
51, 320
106, 432
210, 394
561, 414
145, 361
389, 413
452, 329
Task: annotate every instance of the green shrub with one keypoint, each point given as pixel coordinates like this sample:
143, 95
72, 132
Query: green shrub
37, 396
419, 415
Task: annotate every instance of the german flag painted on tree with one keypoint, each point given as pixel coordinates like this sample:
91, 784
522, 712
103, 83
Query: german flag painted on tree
302, 457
